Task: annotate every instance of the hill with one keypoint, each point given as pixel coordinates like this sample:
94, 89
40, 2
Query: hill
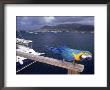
66, 28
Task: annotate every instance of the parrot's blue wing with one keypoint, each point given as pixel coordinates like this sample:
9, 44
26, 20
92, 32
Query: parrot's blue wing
67, 56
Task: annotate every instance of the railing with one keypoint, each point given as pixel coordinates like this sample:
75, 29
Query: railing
72, 69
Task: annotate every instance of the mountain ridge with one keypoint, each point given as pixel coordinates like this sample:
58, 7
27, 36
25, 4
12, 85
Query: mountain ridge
64, 28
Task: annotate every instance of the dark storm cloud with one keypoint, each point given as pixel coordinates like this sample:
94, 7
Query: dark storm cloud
75, 19
34, 22
25, 22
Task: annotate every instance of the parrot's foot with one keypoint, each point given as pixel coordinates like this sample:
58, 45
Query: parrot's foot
63, 60
73, 63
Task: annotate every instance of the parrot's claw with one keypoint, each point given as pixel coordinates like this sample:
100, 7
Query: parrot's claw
73, 63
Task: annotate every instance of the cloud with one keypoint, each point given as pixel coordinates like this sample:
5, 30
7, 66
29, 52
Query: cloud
49, 19
75, 19
34, 22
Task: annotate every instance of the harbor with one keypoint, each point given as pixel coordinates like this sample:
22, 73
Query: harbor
54, 47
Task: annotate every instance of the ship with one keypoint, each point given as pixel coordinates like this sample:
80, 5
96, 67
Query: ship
25, 46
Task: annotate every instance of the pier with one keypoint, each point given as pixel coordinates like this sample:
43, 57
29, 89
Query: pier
72, 69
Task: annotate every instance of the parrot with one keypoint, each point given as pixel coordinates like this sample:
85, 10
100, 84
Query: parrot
71, 55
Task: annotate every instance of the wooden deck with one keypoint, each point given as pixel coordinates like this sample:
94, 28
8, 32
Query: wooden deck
72, 69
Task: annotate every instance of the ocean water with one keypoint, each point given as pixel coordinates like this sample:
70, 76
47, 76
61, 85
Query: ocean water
76, 40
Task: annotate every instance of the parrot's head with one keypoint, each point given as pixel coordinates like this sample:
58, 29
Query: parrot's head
86, 55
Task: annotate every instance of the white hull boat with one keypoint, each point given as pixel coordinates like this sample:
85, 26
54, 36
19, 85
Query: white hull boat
22, 46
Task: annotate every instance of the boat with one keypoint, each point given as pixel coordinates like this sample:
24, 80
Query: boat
23, 45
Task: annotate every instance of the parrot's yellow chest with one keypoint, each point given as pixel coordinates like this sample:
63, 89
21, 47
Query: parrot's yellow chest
77, 56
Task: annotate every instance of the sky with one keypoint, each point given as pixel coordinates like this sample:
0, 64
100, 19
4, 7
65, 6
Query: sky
35, 22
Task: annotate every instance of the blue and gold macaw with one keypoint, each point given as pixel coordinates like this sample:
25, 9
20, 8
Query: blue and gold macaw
71, 55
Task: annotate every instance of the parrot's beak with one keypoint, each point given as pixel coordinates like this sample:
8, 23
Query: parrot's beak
87, 57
